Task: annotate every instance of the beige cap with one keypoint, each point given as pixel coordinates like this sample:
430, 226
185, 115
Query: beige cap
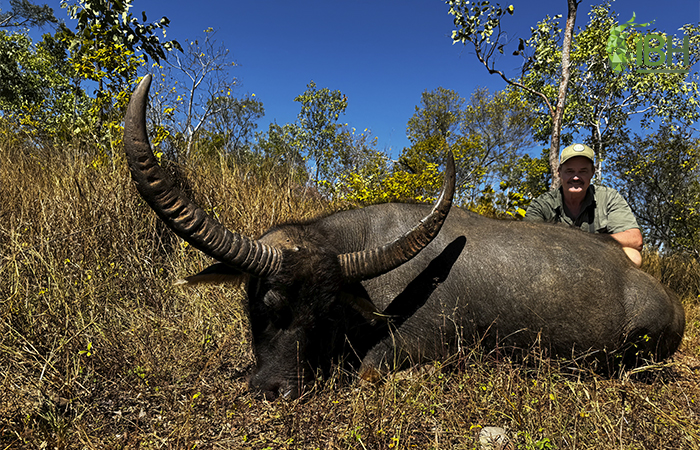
576, 150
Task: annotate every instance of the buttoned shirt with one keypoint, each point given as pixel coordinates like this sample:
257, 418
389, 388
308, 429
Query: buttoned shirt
603, 210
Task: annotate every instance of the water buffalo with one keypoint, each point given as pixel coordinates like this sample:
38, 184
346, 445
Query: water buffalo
393, 284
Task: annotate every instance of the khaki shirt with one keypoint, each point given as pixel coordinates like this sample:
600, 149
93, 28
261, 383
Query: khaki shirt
603, 211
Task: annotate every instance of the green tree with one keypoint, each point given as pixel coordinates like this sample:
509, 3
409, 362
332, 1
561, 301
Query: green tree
39, 98
484, 134
359, 171
43, 94
602, 101
20, 71
370, 177
317, 126
522, 180
101, 22
417, 168
438, 114
107, 47
101, 49
345, 163
280, 146
232, 125
25, 14
114, 67
433, 129
660, 178
503, 124
480, 25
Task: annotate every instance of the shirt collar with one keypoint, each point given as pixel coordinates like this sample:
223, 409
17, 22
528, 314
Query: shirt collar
588, 200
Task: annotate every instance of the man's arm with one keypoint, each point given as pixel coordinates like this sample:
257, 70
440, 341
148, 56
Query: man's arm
537, 211
631, 241
623, 227
631, 238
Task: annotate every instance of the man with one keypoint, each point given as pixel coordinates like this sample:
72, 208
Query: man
596, 209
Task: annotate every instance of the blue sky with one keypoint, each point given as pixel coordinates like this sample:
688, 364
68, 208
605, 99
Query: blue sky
382, 54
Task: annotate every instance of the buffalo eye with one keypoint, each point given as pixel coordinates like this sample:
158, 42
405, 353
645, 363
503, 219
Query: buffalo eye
273, 300
279, 312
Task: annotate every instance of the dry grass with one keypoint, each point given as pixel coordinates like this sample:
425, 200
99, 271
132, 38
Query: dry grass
99, 350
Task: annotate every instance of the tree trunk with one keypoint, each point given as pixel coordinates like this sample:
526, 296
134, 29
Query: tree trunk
597, 144
561, 97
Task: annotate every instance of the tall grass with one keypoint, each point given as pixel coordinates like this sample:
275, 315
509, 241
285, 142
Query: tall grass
98, 349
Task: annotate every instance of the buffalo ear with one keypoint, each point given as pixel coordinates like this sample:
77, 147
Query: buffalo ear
214, 274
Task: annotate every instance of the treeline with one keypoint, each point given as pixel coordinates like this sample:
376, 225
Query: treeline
71, 88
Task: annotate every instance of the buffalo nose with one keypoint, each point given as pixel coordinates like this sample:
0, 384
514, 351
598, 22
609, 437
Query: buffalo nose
272, 389
267, 394
274, 392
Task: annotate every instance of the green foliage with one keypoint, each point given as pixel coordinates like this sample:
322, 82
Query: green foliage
476, 22
601, 99
426, 155
479, 24
433, 128
43, 95
26, 14
345, 164
108, 22
523, 180
111, 63
417, 167
20, 70
544, 44
485, 134
660, 176
316, 129
39, 97
232, 124
362, 173
503, 124
104, 46
103, 49
380, 186
113, 66
438, 114
279, 145
342, 163
352, 154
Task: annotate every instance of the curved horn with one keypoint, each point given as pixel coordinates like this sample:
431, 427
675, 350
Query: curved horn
183, 216
371, 263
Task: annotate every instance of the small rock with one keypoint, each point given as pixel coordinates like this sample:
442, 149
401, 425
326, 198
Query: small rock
495, 438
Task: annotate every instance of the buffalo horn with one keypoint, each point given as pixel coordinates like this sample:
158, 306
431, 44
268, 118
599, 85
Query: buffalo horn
371, 263
183, 216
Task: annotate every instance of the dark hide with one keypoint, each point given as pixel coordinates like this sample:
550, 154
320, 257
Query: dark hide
503, 284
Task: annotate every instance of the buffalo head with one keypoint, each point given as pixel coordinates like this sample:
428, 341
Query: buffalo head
303, 290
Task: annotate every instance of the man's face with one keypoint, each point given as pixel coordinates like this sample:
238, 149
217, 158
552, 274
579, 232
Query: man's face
576, 174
